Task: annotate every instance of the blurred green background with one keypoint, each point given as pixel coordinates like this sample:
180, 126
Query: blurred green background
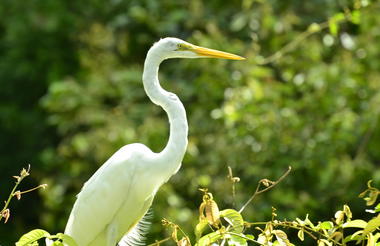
71, 95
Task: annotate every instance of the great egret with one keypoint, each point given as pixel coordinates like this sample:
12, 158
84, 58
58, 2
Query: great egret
112, 203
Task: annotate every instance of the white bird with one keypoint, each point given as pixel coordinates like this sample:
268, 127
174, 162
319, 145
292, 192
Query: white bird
110, 207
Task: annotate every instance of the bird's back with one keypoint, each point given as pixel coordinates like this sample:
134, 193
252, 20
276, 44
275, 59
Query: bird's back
114, 199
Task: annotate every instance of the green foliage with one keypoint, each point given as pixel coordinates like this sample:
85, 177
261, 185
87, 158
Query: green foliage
31, 239
338, 231
307, 96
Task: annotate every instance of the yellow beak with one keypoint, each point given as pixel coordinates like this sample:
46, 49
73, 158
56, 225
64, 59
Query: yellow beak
215, 53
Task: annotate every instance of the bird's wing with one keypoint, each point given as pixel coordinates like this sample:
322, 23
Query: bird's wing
136, 236
103, 195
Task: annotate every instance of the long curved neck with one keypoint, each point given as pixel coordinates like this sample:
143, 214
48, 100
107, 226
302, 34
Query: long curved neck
175, 149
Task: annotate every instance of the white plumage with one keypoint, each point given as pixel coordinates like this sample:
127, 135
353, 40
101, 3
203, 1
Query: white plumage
116, 198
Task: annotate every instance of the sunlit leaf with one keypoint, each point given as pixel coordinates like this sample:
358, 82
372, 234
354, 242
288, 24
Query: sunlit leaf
281, 237
377, 208
339, 216
355, 223
234, 218
252, 237
68, 240
355, 17
209, 238
372, 197
354, 237
200, 228
327, 225
333, 26
372, 225
237, 241
212, 212
300, 235
32, 236
347, 211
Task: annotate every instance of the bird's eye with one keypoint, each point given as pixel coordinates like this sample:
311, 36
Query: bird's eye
181, 47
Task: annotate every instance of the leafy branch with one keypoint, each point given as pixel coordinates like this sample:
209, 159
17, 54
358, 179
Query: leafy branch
228, 226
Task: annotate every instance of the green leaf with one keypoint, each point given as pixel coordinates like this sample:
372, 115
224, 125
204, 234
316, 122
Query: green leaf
235, 240
251, 237
372, 225
377, 208
57, 243
372, 197
355, 17
355, 224
338, 17
66, 239
354, 237
281, 237
209, 238
200, 228
234, 218
347, 211
327, 225
300, 235
334, 23
334, 28
32, 236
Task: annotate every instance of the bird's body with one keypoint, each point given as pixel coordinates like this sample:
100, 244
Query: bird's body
118, 195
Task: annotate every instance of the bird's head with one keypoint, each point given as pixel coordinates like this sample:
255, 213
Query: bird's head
177, 48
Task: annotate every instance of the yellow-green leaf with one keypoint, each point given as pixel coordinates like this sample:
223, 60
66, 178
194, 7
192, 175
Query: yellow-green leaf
347, 211
354, 237
327, 225
199, 229
300, 235
281, 237
67, 240
355, 17
338, 17
32, 236
371, 199
235, 240
209, 238
372, 225
355, 224
234, 218
333, 26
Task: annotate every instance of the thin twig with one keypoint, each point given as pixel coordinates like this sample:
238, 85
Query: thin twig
43, 186
159, 242
258, 191
24, 173
233, 181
